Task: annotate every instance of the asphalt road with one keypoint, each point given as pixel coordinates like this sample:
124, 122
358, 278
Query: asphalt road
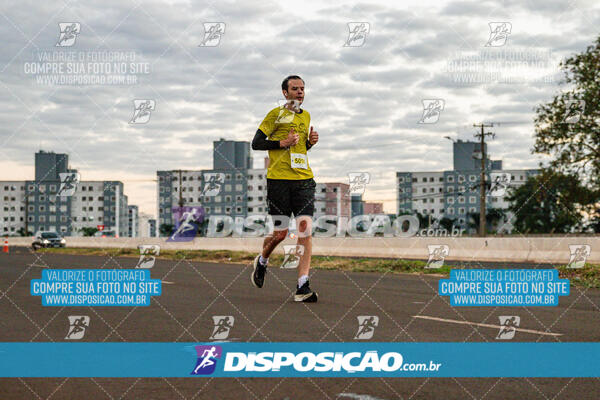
408, 308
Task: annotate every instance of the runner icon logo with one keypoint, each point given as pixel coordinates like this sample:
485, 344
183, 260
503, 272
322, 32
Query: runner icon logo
500, 182
366, 326
573, 111
499, 32
148, 253
358, 182
68, 183
432, 108
207, 359
357, 34
213, 181
223, 324
292, 255
77, 326
187, 220
437, 255
213, 31
68, 33
287, 110
508, 323
142, 110
579, 254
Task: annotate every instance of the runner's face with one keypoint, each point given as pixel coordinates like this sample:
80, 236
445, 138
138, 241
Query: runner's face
295, 90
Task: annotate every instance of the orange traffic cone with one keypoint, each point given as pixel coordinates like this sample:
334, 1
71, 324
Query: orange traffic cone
5, 249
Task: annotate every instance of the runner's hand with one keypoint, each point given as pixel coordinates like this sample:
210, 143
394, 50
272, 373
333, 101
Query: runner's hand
313, 136
291, 140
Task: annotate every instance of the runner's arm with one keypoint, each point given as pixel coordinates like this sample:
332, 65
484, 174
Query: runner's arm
260, 142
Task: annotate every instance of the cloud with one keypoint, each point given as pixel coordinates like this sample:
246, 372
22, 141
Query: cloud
365, 101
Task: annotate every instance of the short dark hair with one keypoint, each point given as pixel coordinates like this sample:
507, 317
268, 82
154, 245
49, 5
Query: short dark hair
284, 84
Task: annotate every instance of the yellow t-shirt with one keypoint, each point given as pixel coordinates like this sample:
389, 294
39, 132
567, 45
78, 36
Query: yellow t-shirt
289, 163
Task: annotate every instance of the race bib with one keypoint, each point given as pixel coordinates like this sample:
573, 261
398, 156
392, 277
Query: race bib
298, 160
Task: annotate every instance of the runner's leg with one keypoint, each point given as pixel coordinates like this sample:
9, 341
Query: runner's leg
304, 239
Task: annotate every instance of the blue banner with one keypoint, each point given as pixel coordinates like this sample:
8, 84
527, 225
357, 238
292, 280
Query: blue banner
504, 287
95, 287
300, 359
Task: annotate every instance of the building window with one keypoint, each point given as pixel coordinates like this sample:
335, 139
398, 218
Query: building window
461, 210
424, 179
472, 199
431, 179
472, 178
461, 199
238, 187
450, 178
401, 180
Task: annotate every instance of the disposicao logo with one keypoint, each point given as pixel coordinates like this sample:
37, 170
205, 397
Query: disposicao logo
207, 359
307, 361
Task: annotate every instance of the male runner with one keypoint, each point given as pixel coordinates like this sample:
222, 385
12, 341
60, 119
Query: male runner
290, 184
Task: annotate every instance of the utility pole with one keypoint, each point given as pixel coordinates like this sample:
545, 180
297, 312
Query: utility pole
481, 137
180, 190
26, 210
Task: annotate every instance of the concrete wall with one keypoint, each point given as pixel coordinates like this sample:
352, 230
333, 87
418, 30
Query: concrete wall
537, 249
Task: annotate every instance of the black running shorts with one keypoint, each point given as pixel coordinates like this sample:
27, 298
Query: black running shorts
286, 197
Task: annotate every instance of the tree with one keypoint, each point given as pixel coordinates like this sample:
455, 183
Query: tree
89, 230
568, 129
447, 223
493, 217
21, 232
165, 229
550, 202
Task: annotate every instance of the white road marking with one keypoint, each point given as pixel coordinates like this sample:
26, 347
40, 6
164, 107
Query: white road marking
358, 396
167, 282
37, 265
453, 321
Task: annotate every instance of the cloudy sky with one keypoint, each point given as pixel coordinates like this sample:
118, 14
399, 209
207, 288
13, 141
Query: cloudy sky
365, 98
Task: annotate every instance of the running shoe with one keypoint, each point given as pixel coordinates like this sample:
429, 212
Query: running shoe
304, 294
258, 274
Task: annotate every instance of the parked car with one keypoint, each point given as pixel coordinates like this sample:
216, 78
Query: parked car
47, 239
105, 234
